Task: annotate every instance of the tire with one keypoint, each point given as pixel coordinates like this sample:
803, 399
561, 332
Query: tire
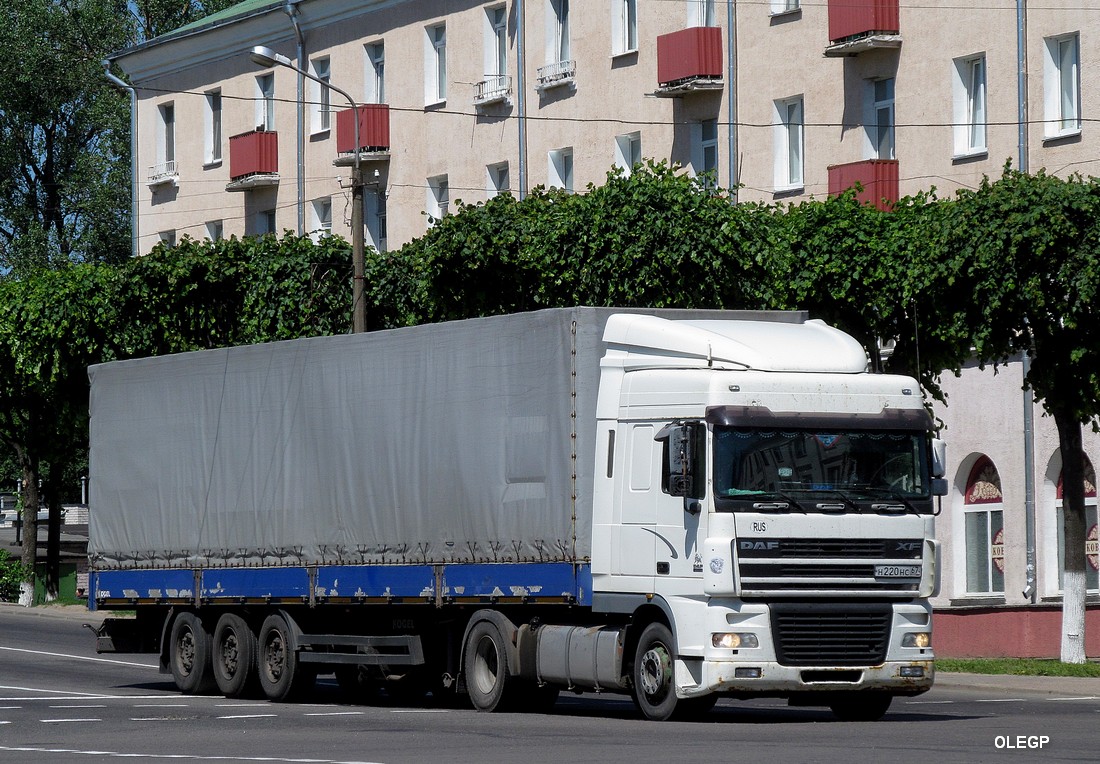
234, 656
654, 689
861, 706
189, 655
486, 666
281, 675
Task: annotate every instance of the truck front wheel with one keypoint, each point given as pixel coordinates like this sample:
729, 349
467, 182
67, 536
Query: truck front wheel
234, 656
190, 655
654, 689
486, 666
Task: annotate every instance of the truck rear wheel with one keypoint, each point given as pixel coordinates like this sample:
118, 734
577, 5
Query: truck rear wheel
234, 659
861, 706
189, 656
654, 689
486, 666
281, 675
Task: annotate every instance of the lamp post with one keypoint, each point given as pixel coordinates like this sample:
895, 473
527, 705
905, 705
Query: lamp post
261, 55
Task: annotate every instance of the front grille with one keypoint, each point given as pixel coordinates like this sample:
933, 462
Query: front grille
904, 549
828, 634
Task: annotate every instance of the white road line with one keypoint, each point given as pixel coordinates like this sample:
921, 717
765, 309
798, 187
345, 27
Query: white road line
80, 657
161, 705
248, 716
93, 695
1090, 697
27, 698
419, 711
929, 702
74, 705
174, 756
335, 713
66, 721
241, 705
1000, 700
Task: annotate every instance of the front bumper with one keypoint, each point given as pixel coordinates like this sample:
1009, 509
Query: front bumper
772, 679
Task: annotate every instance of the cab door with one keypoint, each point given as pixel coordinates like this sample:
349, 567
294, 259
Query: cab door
679, 503
636, 494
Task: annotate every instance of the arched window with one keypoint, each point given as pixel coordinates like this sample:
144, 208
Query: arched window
984, 518
1092, 560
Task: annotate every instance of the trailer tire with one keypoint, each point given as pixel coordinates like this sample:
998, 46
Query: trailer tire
189, 655
486, 666
234, 656
281, 674
861, 706
654, 690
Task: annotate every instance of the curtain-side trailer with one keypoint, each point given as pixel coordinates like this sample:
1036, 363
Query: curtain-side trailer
675, 505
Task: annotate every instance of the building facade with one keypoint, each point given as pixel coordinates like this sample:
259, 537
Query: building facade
780, 100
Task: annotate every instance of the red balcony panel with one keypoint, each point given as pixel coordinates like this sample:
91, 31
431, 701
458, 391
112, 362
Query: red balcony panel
689, 53
253, 153
879, 178
374, 129
852, 18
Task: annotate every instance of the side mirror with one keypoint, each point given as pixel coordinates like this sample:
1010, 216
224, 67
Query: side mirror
939, 487
939, 458
680, 448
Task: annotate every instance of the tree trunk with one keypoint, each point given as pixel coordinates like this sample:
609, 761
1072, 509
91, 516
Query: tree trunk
30, 527
1073, 512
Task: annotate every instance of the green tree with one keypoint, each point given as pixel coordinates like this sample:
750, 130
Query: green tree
153, 18
1025, 254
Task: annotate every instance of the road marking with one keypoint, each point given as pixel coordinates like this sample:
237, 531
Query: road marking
66, 721
25, 698
335, 713
92, 695
1000, 700
161, 705
80, 706
241, 705
1090, 697
175, 756
419, 711
248, 716
80, 657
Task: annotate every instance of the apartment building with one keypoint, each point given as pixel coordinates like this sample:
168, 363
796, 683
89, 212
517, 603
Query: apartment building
780, 99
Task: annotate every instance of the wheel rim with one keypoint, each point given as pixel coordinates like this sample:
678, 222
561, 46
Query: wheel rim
486, 665
655, 675
185, 652
230, 654
274, 656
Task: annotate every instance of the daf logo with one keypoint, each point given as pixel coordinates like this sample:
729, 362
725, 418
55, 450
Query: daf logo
752, 546
907, 546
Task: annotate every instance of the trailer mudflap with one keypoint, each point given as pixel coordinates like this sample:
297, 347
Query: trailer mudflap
120, 635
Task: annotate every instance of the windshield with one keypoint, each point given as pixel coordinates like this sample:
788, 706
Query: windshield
811, 469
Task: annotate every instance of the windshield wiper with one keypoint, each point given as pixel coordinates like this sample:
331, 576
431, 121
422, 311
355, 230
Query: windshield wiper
848, 501
902, 502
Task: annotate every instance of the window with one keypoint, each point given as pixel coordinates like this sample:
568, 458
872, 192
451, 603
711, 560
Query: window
789, 142
1062, 86
265, 222
628, 151
439, 198
624, 26
560, 169
166, 138
880, 122
558, 45
496, 41
435, 65
1092, 564
167, 238
375, 217
322, 219
376, 73
265, 101
499, 182
969, 106
321, 96
212, 127
704, 151
785, 6
215, 230
984, 529
701, 13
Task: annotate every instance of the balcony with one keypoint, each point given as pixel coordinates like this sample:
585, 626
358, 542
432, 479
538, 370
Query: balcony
857, 26
163, 174
374, 134
689, 60
878, 178
253, 160
557, 74
495, 88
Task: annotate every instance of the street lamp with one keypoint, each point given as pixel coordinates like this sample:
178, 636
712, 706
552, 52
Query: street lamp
261, 55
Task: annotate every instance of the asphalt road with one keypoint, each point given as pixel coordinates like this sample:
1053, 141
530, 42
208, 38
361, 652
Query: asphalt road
60, 702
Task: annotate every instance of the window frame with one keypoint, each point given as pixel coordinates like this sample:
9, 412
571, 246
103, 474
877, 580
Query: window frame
498, 179
265, 101
374, 75
213, 127
321, 223
970, 103
881, 139
624, 27
320, 120
560, 169
435, 64
628, 151
983, 498
1062, 119
790, 143
438, 198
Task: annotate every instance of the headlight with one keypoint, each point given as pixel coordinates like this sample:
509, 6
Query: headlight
917, 639
734, 640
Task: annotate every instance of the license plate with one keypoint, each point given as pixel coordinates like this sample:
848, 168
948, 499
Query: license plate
897, 571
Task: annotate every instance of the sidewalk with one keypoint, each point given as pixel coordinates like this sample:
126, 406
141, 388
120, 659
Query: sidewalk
1070, 686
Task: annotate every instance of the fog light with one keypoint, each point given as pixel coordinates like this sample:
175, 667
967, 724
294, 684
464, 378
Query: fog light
913, 672
747, 673
734, 640
917, 639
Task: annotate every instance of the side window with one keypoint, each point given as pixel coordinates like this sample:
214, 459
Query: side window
685, 441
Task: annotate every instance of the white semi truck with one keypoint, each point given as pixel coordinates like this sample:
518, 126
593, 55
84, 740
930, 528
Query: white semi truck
676, 505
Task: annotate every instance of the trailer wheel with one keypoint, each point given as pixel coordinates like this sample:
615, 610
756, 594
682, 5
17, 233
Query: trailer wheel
281, 675
189, 656
234, 656
861, 706
486, 666
654, 690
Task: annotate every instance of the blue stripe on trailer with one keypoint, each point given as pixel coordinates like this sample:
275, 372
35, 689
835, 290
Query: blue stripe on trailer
374, 581
558, 581
256, 583
142, 584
